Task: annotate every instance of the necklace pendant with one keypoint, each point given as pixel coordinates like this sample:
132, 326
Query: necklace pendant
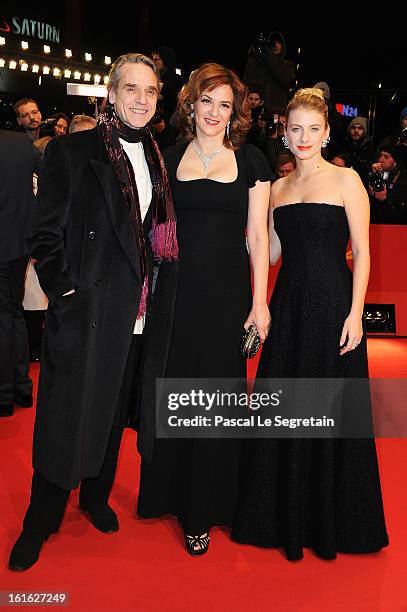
205, 159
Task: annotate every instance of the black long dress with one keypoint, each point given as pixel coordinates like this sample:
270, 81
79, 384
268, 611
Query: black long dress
322, 494
197, 480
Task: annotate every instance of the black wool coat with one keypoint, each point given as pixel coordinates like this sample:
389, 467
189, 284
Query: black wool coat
82, 239
18, 160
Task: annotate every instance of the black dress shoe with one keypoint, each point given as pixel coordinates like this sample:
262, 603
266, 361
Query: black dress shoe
6, 410
23, 401
26, 551
103, 518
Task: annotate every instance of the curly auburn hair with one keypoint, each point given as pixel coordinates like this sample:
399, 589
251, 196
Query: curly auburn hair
310, 98
207, 78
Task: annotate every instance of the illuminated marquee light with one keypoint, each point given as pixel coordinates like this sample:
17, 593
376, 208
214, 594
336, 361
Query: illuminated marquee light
57, 72
95, 91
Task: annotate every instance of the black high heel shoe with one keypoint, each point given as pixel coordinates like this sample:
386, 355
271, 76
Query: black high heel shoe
202, 541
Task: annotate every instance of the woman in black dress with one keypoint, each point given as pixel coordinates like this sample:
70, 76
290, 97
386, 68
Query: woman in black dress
318, 493
220, 187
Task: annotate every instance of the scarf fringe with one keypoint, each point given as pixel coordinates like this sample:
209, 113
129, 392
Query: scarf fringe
163, 231
143, 300
164, 240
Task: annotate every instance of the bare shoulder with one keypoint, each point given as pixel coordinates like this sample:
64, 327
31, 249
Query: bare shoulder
348, 176
277, 188
343, 176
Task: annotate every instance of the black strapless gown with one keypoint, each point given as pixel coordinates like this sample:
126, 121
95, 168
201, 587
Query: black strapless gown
322, 494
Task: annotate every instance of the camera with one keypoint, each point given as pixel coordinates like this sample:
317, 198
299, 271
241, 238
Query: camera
378, 180
259, 47
402, 139
47, 127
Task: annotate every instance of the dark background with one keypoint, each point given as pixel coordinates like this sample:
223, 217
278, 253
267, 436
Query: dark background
351, 50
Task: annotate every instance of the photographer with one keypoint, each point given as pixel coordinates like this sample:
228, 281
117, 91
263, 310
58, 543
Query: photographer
266, 65
398, 136
388, 188
359, 149
267, 128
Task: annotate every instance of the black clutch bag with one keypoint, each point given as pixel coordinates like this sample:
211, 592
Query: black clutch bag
250, 343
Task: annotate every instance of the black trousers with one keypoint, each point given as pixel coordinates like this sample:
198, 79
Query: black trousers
48, 501
34, 320
14, 354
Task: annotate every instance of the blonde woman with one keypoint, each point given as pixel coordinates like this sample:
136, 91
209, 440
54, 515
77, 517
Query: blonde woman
318, 493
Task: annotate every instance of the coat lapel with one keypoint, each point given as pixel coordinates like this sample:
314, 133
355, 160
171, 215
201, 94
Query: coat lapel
117, 211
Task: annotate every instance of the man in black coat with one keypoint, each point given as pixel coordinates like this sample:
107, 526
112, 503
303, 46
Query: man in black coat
104, 212
18, 160
359, 149
388, 187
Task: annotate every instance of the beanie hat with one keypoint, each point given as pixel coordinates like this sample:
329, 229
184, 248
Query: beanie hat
403, 113
362, 121
324, 87
394, 151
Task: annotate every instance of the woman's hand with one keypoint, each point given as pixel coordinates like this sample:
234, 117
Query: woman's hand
260, 317
352, 334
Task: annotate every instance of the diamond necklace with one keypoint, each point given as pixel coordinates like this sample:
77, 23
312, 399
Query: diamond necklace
205, 159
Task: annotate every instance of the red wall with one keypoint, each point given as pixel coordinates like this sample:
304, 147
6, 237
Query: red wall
388, 274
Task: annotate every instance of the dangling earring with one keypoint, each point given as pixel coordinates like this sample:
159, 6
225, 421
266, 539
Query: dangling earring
285, 142
325, 141
228, 130
192, 115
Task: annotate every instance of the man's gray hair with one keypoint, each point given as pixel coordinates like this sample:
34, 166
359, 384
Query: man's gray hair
132, 58
78, 121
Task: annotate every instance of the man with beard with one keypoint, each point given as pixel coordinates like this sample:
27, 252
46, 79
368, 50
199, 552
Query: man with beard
358, 147
29, 117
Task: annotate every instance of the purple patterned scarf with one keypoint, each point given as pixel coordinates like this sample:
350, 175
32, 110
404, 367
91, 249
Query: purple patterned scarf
164, 240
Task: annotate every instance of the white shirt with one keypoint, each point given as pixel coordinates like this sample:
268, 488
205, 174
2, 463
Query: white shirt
135, 153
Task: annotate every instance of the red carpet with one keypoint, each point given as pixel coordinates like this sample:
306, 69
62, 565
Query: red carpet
145, 567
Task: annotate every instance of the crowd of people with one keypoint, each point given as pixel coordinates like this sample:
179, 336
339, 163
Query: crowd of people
152, 232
